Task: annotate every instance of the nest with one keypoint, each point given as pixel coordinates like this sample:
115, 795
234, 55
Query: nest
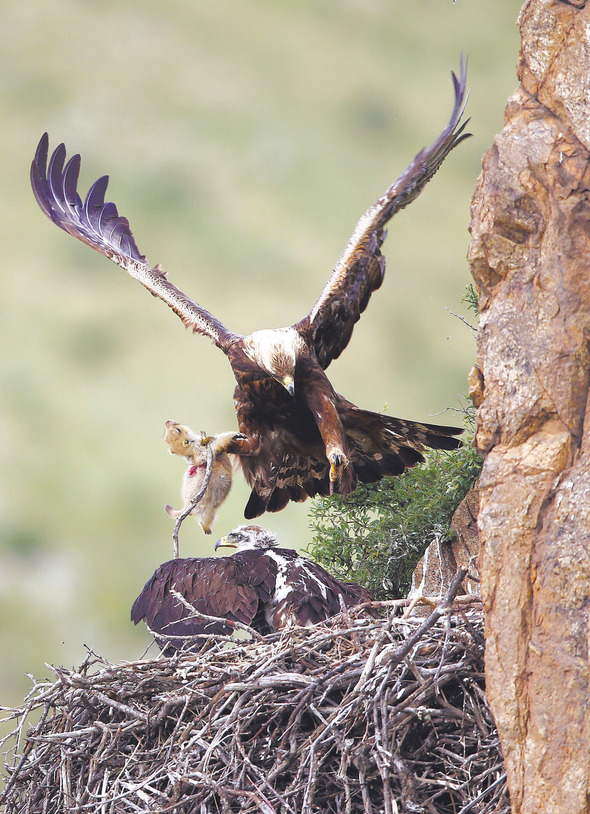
354, 715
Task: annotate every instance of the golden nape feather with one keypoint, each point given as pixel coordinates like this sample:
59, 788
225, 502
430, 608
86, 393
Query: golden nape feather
299, 437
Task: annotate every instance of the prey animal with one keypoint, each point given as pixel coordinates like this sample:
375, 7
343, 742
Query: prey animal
183, 441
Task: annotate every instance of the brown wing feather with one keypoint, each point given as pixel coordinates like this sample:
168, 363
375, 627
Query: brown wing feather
294, 477
379, 446
216, 586
361, 267
98, 224
382, 445
310, 594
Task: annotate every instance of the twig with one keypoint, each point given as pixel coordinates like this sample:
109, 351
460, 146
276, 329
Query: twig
198, 497
443, 607
378, 604
205, 617
470, 806
463, 320
124, 708
16, 771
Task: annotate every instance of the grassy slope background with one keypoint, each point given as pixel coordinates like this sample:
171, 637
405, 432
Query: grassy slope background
243, 141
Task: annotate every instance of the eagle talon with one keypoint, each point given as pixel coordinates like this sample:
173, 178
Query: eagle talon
338, 460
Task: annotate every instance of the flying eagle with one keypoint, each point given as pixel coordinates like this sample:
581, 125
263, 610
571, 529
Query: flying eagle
261, 585
302, 438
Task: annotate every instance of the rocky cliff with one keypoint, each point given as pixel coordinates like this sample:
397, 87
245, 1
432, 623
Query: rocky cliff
530, 258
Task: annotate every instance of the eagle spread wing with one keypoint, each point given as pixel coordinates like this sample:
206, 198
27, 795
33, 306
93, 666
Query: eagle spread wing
301, 438
98, 224
361, 267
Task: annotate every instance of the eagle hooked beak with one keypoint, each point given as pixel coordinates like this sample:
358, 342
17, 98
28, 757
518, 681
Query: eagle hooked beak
288, 383
223, 543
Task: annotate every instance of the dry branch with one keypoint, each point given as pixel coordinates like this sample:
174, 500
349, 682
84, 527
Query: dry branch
349, 716
197, 499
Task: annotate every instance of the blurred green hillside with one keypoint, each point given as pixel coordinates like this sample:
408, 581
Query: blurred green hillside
243, 141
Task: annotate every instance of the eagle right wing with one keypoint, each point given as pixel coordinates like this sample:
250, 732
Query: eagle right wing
361, 267
99, 225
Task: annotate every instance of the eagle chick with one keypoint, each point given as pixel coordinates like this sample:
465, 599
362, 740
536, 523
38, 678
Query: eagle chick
260, 585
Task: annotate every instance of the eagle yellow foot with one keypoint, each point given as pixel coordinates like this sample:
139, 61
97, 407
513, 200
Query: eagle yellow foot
338, 460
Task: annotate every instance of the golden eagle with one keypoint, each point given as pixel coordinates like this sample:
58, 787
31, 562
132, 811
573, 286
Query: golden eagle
302, 438
260, 585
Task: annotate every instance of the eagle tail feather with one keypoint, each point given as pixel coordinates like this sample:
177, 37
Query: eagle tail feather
383, 446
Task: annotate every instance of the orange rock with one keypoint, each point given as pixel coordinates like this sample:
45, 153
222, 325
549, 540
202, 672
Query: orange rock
530, 258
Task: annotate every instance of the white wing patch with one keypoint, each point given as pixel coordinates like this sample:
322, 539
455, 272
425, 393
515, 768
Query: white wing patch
293, 577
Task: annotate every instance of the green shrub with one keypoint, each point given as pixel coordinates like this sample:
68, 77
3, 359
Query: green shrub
376, 535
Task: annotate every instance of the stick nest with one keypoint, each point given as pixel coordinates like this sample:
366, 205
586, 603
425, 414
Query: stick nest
353, 715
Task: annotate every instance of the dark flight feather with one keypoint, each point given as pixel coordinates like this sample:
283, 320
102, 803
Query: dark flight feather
216, 586
99, 225
361, 267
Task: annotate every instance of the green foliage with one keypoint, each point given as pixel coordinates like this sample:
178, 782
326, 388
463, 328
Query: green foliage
376, 535
471, 299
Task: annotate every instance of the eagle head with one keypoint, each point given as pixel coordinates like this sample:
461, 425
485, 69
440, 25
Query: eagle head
276, 351
247, 537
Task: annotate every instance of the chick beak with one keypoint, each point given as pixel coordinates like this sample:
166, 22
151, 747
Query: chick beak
223, 543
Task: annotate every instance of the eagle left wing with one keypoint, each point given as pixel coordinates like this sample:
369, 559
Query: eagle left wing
361, 267
218, 587
98, 224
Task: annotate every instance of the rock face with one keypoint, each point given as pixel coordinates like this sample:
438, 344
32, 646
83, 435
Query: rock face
435, 571
530, 258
